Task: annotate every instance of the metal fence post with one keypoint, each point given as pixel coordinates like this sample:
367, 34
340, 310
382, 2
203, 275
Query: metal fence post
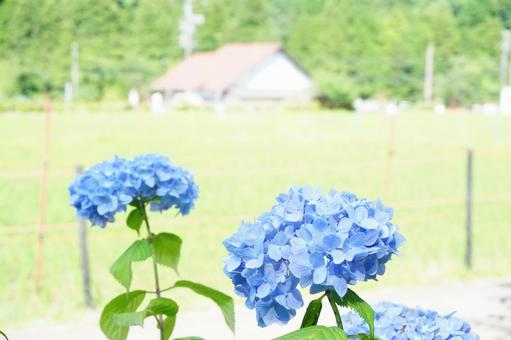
389, 158
469, 202
84, 255
43, 195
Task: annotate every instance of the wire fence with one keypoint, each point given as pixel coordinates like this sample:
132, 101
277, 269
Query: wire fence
482, 155
15, 171
193, 221
68, 169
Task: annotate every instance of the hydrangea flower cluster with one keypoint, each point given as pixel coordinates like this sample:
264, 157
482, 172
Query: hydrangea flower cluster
108, 187
308, 239
396, 322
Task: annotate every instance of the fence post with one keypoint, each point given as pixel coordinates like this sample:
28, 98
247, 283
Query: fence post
84, 255
470, 157
390, 156
43, 195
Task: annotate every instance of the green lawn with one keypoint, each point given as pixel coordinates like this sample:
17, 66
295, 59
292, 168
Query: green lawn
241, 161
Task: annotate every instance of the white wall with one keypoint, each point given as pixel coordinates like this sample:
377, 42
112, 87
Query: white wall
275, 78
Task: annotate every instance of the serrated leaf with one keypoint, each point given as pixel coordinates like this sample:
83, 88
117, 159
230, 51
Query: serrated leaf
167, 248
121, 268
312, 313
316, 333
225, 302
124, 303
135, 220
353, 301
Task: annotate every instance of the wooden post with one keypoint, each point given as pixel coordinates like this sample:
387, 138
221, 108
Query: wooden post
84, 255
43, 193
469, 202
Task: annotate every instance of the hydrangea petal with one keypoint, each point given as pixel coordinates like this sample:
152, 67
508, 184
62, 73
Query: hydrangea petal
340, 286
319, 275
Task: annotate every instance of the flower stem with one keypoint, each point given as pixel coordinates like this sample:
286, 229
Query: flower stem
334, 309
159, 319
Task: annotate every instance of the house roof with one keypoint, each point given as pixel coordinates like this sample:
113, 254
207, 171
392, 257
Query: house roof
217, 70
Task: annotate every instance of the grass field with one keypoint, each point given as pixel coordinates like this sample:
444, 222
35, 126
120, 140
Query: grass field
241, 161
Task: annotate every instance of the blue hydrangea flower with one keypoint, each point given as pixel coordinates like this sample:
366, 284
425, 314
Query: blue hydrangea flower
310, 240
155, 179
108, 187
98, 194
396, 322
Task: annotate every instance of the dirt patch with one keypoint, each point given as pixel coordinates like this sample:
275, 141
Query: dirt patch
485, 304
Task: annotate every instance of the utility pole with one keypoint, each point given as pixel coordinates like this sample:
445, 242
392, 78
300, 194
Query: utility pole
75, 69
188, 27
505, 89
504, 58
428, 74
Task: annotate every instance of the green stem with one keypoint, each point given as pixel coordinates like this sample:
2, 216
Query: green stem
168, 288
159, 319
335, 310
161, 290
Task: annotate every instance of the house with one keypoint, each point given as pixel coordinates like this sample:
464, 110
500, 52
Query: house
261, 72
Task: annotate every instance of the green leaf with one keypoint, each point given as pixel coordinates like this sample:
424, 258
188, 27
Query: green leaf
121, 268
316, 333
362, 336
168, 326
312, 313
135, 219
157, 306
353, 301
161, 305
190, 338
167, 248
223, 301
124, 303
129, 319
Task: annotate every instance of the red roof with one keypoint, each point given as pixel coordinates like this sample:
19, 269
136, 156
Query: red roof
217, 70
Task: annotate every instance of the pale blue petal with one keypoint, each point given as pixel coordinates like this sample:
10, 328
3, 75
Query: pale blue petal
319, 275
274, 252
338, 256
263, 290
340, 286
